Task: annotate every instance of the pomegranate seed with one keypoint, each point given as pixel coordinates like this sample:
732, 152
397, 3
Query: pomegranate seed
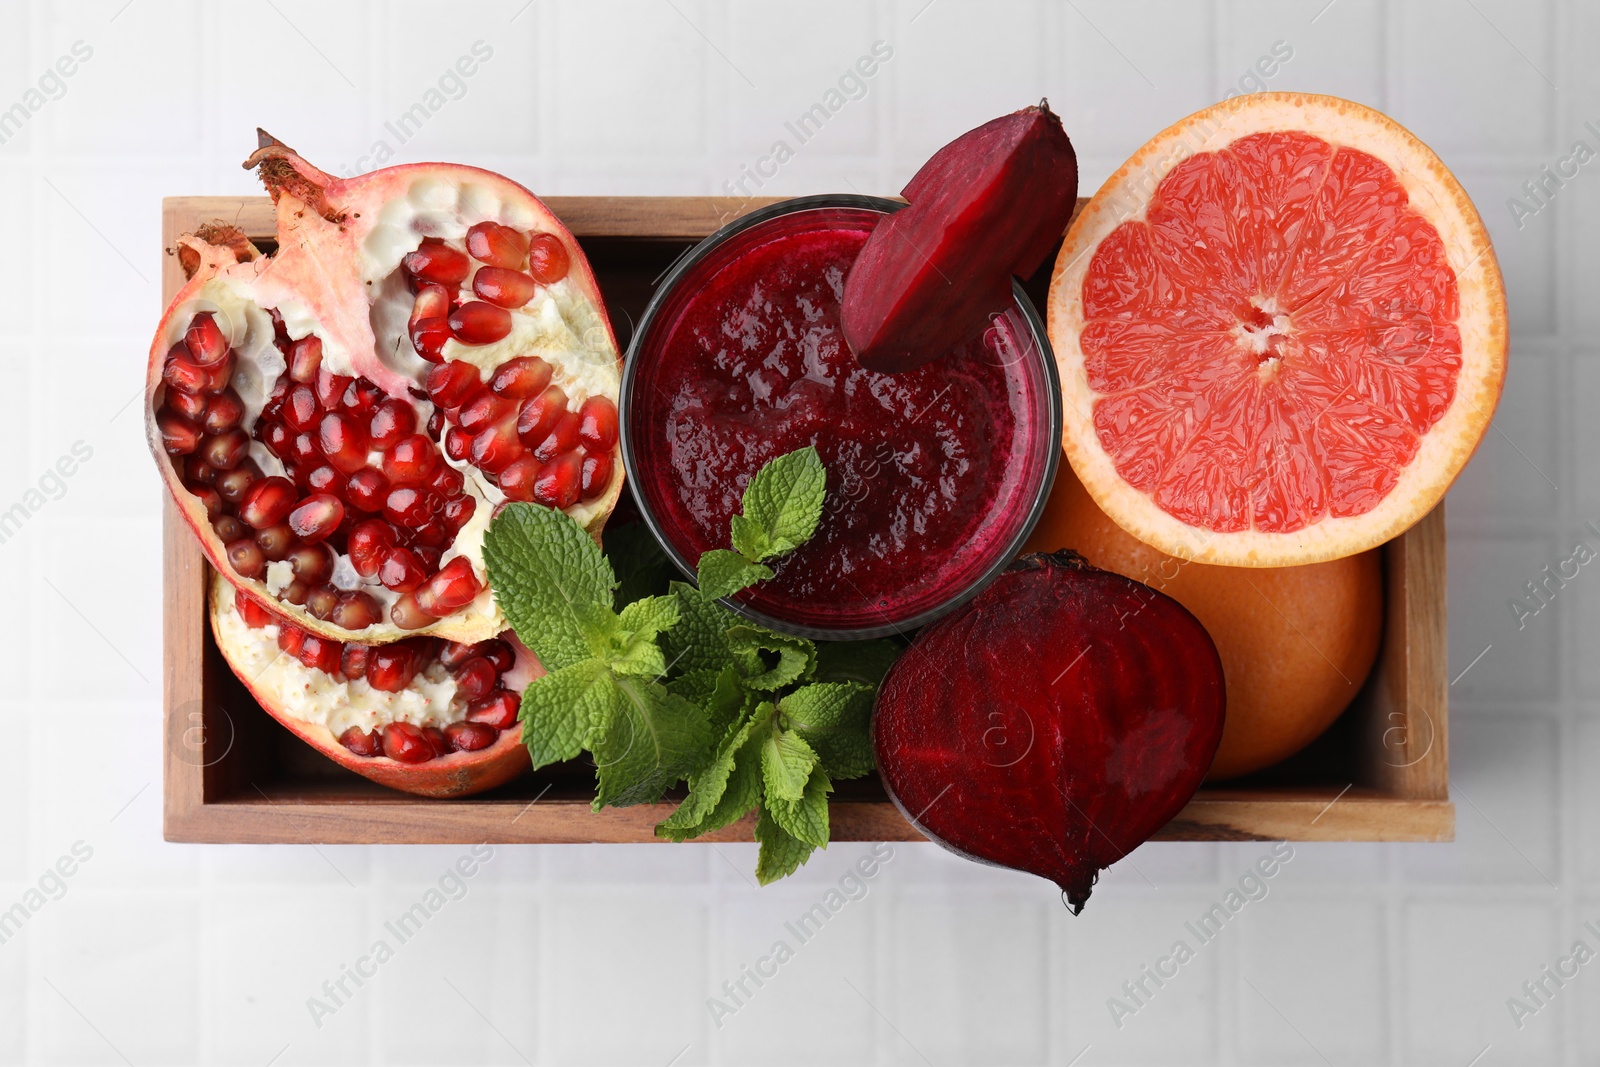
482, 411
458, 512
303, 450
226, 450
331, 389
563, 438
305, 359
251, 610
218, 375
322, 601
431, 533
475, 679
479, 323
204, 340
498, 709
276, 436
503, 288
560, 483
360, 397
295, 592
317, 516
435, 261
496, 652
368, 543
391, 420
224, 412
280, 332
209, 499
390, 668
313, 564
325, 479
300, 408
497, 245
356, 610
407, 614
429, 555
540, 415
436, 738
179, 436
495, 448
428, 337
276, 541
410, 461
290, 639
366, 490
401, 570
359, 741
547, 258
597, 424
448, 383
321, 654
191, 406
245, 557
433, 302
435, 424
267, 502
353, 663
182, 373
516, 481
470, 736
406, 743
454, 654
520, 378
410, 506
453, 587
343, 440
447, 481
596, 476
197, 472
233, 485
229, 529
457, 444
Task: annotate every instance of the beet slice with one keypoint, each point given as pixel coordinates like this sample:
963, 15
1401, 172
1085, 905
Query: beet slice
1054, 723
990, 204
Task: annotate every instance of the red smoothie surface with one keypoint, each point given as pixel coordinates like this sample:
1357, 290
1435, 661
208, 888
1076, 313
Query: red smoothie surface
925, 469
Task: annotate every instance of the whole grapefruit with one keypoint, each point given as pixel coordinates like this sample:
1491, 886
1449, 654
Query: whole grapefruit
1296, 642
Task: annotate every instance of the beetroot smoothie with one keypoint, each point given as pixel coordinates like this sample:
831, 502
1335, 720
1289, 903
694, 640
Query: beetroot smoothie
931, 474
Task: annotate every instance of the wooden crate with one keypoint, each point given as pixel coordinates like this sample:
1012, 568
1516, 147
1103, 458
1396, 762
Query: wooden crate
232, 774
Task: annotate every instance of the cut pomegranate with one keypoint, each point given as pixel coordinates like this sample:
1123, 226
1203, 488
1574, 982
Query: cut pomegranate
289, 408
1054, 723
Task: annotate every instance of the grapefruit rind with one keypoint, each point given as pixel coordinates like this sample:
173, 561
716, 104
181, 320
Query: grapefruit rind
1434, 193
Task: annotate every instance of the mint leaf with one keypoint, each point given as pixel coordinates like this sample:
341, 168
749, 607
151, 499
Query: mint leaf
835, 719
649, 616
743, 790
545, 572
723, 573
699, 642
654, 740
782, 505
640, 563
786, 764
855, 661
751, 648
806, 819
707, 788
781, 852
562, 710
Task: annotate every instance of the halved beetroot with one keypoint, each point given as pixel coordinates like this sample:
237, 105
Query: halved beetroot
1054, 723
422, 715
989, 205
337, 421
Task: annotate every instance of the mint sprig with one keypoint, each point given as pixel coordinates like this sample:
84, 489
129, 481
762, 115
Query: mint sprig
663, 688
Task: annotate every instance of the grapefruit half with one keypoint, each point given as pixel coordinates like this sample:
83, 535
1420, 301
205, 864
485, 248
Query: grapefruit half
1281, 332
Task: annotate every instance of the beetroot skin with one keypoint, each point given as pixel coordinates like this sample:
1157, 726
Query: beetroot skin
989, 205
1054, 723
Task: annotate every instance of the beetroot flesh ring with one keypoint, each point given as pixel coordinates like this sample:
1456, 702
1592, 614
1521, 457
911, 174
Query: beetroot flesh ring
989, 205
1053, 724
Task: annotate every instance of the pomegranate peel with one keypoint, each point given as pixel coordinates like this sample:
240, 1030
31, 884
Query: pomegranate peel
988, 206
361, 723
1054, 723
278, 343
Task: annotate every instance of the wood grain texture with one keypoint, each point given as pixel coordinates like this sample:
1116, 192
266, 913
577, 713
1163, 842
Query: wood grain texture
233, 775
